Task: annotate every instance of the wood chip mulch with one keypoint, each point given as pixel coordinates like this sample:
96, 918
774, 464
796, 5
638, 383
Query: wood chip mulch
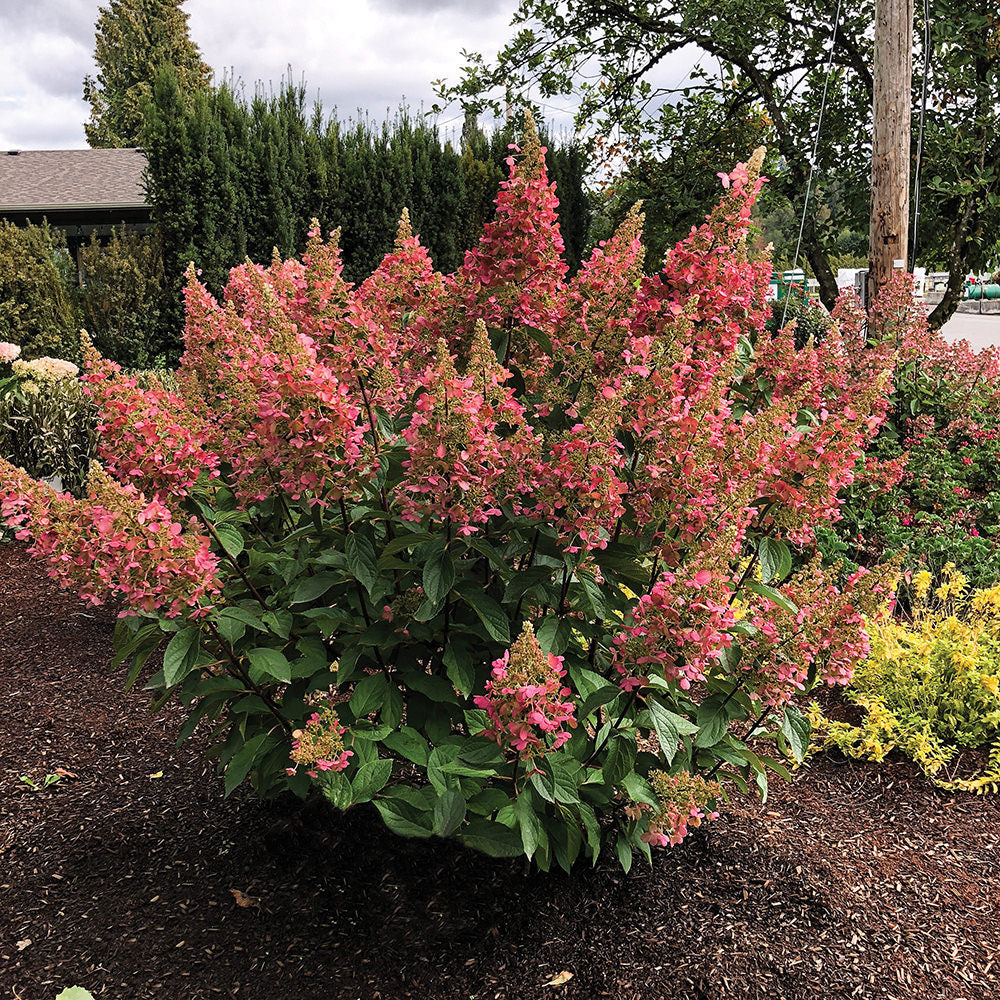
134, 878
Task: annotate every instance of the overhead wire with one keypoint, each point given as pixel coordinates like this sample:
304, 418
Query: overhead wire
815, 149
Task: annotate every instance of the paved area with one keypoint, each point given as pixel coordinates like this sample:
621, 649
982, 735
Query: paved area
979, 331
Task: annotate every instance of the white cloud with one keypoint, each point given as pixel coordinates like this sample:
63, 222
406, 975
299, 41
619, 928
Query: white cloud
370, 54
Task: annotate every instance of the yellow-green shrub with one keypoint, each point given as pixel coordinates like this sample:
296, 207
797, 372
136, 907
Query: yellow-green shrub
37, 308
930, 687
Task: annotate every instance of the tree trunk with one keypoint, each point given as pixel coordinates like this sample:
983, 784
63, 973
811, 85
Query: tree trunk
957, 253
945, 309
820, 264
890, 204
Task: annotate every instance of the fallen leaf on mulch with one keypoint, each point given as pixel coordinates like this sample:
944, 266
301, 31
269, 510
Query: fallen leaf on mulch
63, 773
158, 774
563, 977
242, 899
21, 945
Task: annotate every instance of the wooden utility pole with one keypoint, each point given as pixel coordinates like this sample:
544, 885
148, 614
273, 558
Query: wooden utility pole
890, 205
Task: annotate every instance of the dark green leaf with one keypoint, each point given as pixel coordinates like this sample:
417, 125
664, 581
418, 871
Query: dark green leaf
529, 824
370, 779
313, 587
361, 559
449, 812
624, 852
431, 686
337, 789
490, 613
408, 743
266, 662
458, 664
368, 695
491, 838
439, 576
181, 655
398, 823
775, 559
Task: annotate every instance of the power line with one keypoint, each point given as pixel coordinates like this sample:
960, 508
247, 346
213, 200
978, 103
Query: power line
815, 150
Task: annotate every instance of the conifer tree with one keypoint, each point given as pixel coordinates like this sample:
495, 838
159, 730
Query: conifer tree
134, 39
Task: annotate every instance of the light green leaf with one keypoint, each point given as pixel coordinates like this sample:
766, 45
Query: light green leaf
763, 590
231, 539
669, 727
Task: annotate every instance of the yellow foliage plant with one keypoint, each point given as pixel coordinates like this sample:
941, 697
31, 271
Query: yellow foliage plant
930, 687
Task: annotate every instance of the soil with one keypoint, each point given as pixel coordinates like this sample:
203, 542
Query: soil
132, 876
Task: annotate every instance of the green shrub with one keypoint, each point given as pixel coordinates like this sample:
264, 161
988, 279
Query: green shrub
121, 303
37, 308
812, 322
930, 484
481, 549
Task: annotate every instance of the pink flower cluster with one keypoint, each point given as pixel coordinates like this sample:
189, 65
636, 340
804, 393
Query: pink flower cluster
683, 805
148, 437
319, 746
460, 467
616, 405
681, 626
826, 633
525, 700
114, 540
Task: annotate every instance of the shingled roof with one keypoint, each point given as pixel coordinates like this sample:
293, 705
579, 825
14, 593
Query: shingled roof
36, 180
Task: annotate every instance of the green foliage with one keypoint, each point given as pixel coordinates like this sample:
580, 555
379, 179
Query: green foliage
231, 178
134, 39
677, 190
49, 430
303, 615
930, 687
812, 322
122, 297
37, 309
931, 488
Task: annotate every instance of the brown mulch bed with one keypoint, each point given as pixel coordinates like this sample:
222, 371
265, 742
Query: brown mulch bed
857, 881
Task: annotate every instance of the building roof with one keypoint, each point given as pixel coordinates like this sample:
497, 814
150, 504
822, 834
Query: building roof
35, 180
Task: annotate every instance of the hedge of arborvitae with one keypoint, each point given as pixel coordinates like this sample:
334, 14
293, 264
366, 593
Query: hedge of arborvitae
231, 177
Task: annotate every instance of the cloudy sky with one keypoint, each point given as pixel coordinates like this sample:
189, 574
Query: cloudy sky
355, 53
